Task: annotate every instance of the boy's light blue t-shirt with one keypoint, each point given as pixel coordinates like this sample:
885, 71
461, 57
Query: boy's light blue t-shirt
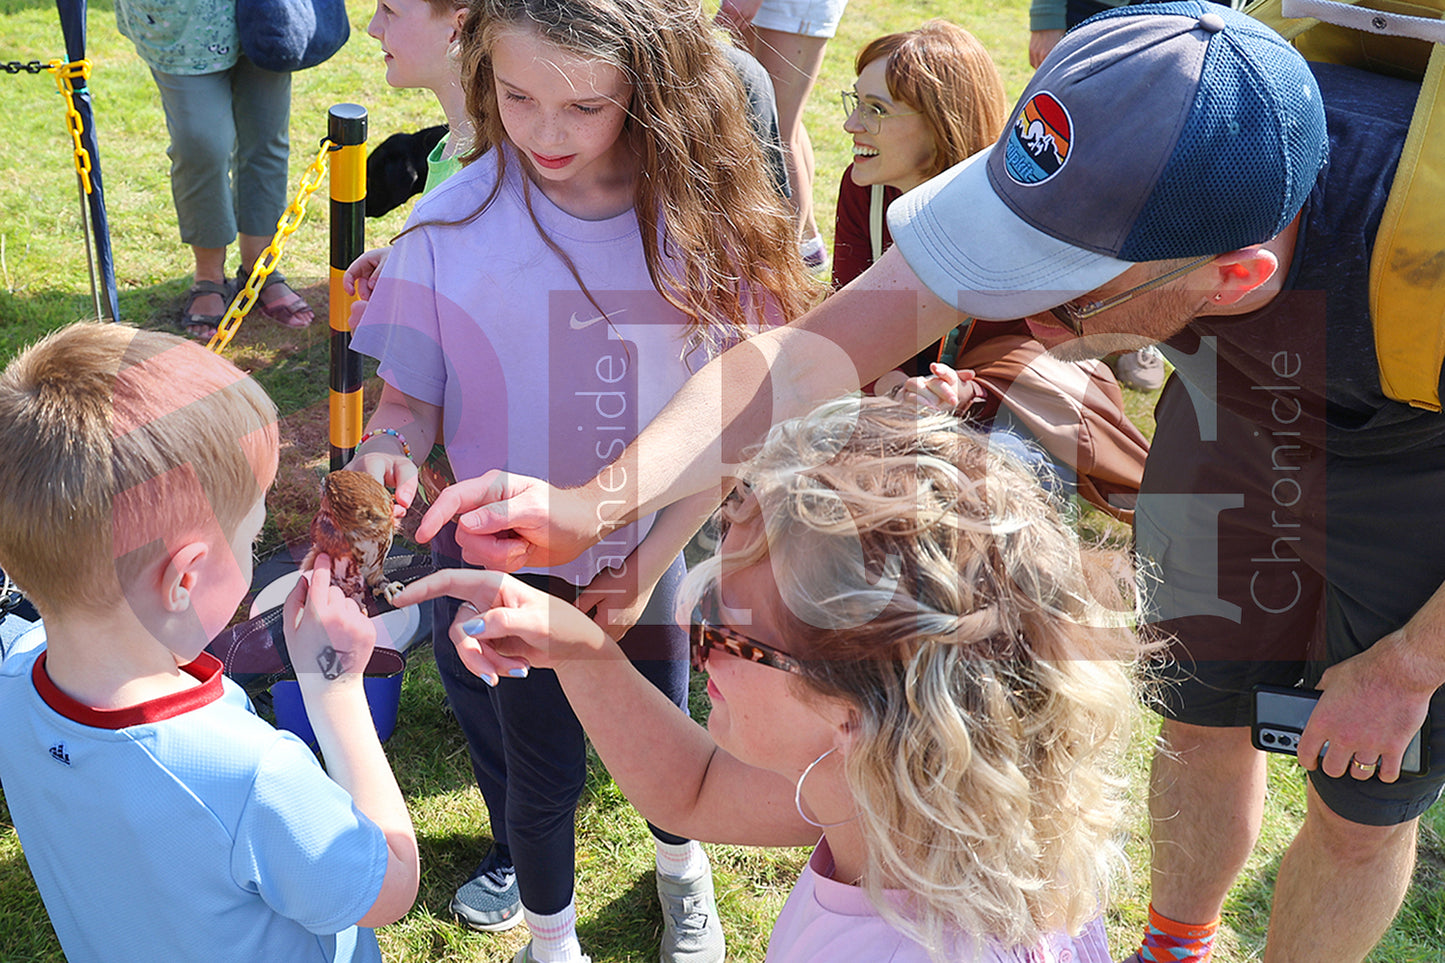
183, 829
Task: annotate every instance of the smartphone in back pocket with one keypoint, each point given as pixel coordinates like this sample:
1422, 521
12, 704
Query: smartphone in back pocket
1280, 716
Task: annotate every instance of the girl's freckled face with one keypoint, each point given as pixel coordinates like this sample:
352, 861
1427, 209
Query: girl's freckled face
564, 113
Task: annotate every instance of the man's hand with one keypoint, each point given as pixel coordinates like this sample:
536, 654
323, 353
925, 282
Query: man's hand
507, 521
1373, 704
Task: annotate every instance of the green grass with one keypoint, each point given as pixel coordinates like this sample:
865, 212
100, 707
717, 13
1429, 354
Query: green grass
43, 284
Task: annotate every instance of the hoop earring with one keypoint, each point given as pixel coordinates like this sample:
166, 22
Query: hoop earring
798, 795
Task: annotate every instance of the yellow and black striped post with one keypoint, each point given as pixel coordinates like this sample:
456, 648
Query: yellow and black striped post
346, 128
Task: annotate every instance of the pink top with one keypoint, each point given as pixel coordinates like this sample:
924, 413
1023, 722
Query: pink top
828, 920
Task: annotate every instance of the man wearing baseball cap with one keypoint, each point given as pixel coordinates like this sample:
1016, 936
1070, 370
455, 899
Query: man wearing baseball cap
1174, 173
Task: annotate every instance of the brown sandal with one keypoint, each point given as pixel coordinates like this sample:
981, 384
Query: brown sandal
284, 313
204, 325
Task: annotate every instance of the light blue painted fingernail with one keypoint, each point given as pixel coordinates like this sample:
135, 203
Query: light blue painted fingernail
474, 626
490, 680
518, 673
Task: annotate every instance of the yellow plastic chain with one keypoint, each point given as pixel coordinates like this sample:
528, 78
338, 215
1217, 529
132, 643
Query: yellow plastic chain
290, 220
64, 73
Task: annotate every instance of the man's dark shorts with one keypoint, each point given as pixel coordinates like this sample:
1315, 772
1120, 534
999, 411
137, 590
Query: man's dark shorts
1275, 561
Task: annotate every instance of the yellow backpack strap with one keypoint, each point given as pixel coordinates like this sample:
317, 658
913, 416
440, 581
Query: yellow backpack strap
1407, 271
1271, 13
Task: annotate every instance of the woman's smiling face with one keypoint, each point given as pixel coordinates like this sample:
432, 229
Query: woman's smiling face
902, 149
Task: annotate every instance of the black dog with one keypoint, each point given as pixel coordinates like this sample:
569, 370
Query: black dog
396, 170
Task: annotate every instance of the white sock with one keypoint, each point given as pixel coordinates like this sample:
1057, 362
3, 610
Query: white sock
811, 246
554, 935
681, 860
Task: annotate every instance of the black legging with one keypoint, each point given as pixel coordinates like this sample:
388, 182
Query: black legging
528, 750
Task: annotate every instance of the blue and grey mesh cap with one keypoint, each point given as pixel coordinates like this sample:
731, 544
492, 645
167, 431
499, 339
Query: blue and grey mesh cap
1164, 130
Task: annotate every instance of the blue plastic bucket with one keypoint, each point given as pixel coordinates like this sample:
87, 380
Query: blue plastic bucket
383, 695
397, 629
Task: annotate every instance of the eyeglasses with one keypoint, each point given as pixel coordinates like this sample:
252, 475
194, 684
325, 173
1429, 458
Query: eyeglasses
871, 115
1073, 317
705, 634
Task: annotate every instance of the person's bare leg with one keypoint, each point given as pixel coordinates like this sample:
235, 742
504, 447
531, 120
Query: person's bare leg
793, 62
1206, 804
252, 246
210, 266
1340, 884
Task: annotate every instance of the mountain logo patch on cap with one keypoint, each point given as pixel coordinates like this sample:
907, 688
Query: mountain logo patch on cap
1038, 144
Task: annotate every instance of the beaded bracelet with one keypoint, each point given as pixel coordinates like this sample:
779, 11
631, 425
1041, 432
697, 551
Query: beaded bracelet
405, 448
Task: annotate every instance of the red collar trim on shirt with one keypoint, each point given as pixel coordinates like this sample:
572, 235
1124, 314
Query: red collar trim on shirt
206, 670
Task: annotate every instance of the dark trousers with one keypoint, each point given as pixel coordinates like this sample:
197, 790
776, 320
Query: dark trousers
528, 750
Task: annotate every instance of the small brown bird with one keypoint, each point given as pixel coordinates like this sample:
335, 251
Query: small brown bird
355, 522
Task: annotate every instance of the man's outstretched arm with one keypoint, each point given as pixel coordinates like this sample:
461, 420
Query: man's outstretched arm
882, 318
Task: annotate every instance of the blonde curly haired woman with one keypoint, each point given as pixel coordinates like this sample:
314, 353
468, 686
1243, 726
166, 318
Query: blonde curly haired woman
908, 653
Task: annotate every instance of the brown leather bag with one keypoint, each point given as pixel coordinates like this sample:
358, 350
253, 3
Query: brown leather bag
1075, 410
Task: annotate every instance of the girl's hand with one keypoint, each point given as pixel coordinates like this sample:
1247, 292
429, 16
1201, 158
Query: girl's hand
327, 634
947, 389
618, 599
394, 470
360, 278
504, 625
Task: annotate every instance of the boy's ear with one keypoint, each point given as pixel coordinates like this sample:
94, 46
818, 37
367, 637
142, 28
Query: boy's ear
178, 578
1241, 271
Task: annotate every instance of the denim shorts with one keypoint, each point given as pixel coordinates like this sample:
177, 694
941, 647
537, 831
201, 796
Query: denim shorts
807, 18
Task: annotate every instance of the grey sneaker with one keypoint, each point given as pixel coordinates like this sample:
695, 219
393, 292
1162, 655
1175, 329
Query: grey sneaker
1142, 370
691, 931
489, 901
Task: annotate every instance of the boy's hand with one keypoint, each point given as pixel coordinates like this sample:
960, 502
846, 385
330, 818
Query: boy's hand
328, 634
504, 625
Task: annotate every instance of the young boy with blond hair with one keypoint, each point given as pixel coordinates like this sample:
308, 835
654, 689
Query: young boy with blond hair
162, 820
